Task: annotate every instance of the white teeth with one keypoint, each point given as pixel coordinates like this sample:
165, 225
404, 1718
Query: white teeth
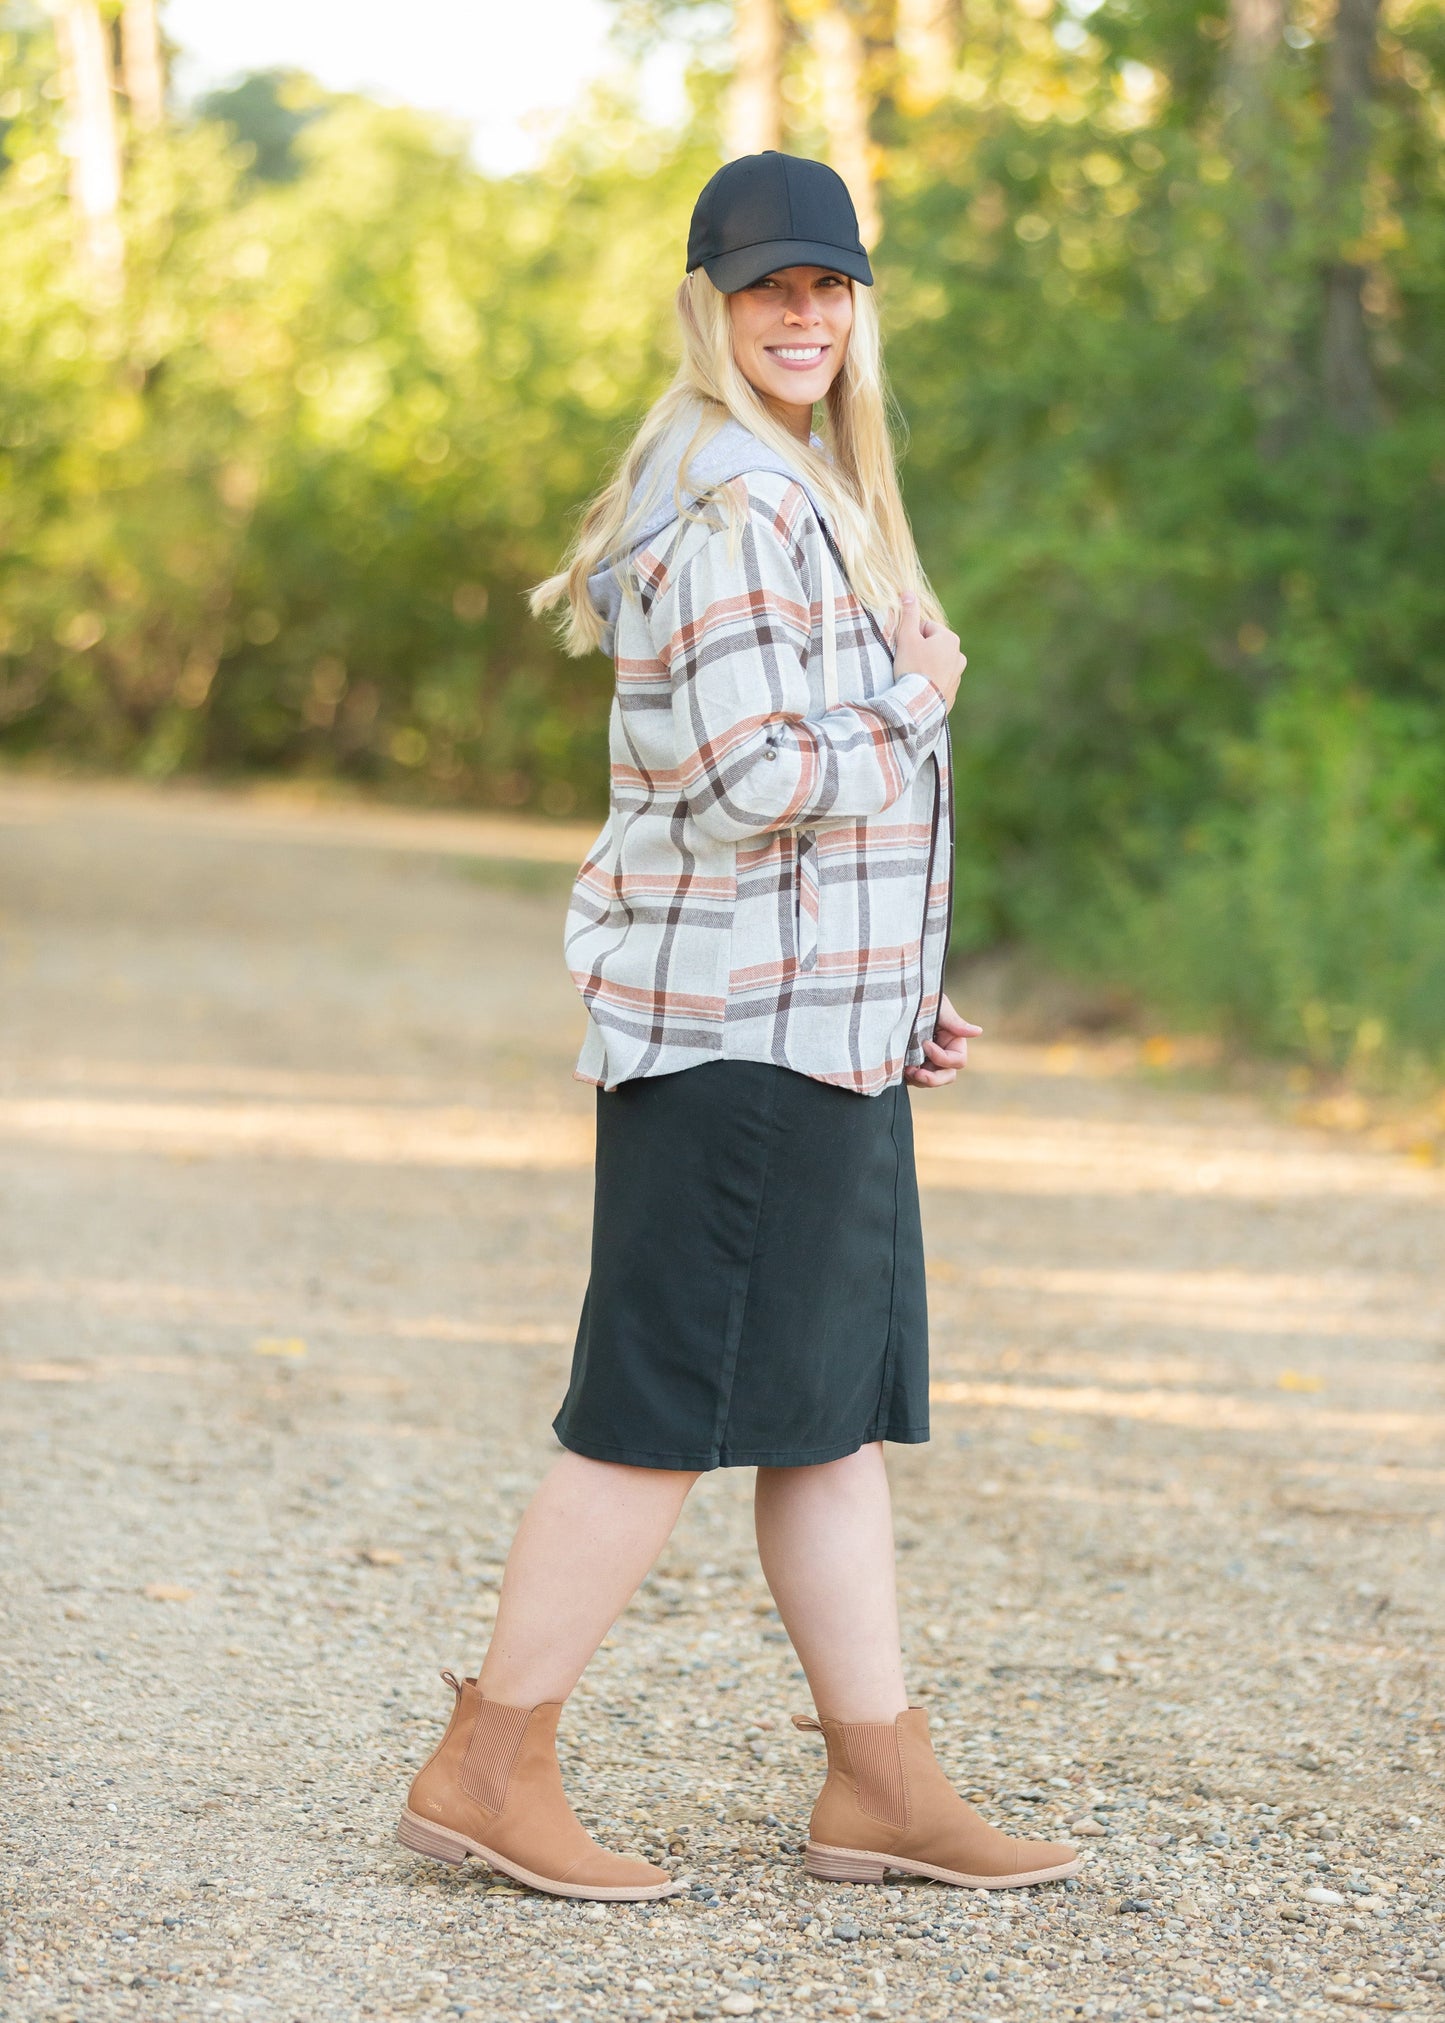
811, 351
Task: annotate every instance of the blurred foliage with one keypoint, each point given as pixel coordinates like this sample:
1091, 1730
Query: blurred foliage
279, 508
276, 508
1306, 913
266, 111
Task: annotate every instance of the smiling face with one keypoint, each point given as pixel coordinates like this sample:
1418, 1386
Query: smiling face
790, 337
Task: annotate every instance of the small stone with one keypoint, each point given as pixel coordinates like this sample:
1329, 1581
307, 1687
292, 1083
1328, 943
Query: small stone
596, 1914
1089, 1828
1135, 1904
737, 2005
846, 1928
1321, 1896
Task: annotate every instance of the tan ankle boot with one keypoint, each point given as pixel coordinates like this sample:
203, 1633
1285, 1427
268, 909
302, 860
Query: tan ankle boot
887, 1804
493, 1788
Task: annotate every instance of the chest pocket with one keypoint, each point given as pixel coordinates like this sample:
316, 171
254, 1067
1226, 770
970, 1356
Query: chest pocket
805, 899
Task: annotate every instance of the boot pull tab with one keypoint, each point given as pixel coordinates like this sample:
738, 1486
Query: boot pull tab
453, 1681
807, 1724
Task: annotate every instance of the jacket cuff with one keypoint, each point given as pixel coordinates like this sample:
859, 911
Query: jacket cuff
915, 707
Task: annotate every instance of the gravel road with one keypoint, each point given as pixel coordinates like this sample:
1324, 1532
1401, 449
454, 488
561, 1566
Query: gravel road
296, 1196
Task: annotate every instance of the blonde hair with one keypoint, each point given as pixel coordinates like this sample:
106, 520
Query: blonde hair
857, 485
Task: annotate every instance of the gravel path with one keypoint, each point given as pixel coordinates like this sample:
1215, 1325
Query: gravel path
296, 1199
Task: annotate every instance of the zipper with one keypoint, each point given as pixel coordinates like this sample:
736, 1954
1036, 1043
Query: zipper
833, 549
952, 862
928, 887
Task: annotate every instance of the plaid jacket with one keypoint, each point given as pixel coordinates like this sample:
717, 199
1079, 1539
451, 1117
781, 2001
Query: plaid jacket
773, 882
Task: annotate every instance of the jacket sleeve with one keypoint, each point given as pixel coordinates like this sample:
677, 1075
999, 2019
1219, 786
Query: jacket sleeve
735, 625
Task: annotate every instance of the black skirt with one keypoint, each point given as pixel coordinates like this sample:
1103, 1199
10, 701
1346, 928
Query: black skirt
757, 1293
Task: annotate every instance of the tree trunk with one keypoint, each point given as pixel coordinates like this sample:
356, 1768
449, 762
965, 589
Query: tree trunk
755, 112
1256, 140
926, 38
844, 94
141, 67
1256, 30
92, 141
1349, 381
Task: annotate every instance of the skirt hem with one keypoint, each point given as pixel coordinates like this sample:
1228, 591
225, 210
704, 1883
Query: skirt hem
724, 1457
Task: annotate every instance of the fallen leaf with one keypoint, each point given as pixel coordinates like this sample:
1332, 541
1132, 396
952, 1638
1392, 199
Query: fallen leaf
279, 1345
163, 1591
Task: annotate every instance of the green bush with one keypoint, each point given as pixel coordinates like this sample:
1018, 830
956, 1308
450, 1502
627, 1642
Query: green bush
1305, 913
277, 510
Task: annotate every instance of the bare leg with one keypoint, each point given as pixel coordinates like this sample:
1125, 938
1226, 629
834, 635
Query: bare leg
825, 1539
581, 1552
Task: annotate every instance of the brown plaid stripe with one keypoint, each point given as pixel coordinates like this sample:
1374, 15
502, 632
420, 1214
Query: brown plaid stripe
773, 880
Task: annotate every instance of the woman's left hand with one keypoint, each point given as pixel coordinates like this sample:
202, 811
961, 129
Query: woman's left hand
947, 1051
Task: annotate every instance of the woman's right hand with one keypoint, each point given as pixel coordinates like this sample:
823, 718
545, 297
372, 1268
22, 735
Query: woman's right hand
926, 646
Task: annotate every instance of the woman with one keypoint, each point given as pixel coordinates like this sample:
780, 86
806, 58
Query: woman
758, 935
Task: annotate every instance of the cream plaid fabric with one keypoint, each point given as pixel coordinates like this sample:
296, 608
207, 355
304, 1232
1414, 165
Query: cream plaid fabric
773, 882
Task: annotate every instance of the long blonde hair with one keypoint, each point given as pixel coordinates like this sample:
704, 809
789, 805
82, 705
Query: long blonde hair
857, 484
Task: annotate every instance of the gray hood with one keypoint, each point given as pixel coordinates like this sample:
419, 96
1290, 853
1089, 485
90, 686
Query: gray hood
731, 453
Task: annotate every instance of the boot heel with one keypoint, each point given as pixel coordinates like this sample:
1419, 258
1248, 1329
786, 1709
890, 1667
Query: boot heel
843, 1864
422, 1836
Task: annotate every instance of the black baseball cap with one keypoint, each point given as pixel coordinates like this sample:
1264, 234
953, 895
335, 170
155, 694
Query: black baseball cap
767, 211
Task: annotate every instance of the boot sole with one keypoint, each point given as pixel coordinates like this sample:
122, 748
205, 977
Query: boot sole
859, 1865
441, 1843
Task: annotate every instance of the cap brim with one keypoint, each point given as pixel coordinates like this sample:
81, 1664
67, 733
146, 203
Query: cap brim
731, 271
